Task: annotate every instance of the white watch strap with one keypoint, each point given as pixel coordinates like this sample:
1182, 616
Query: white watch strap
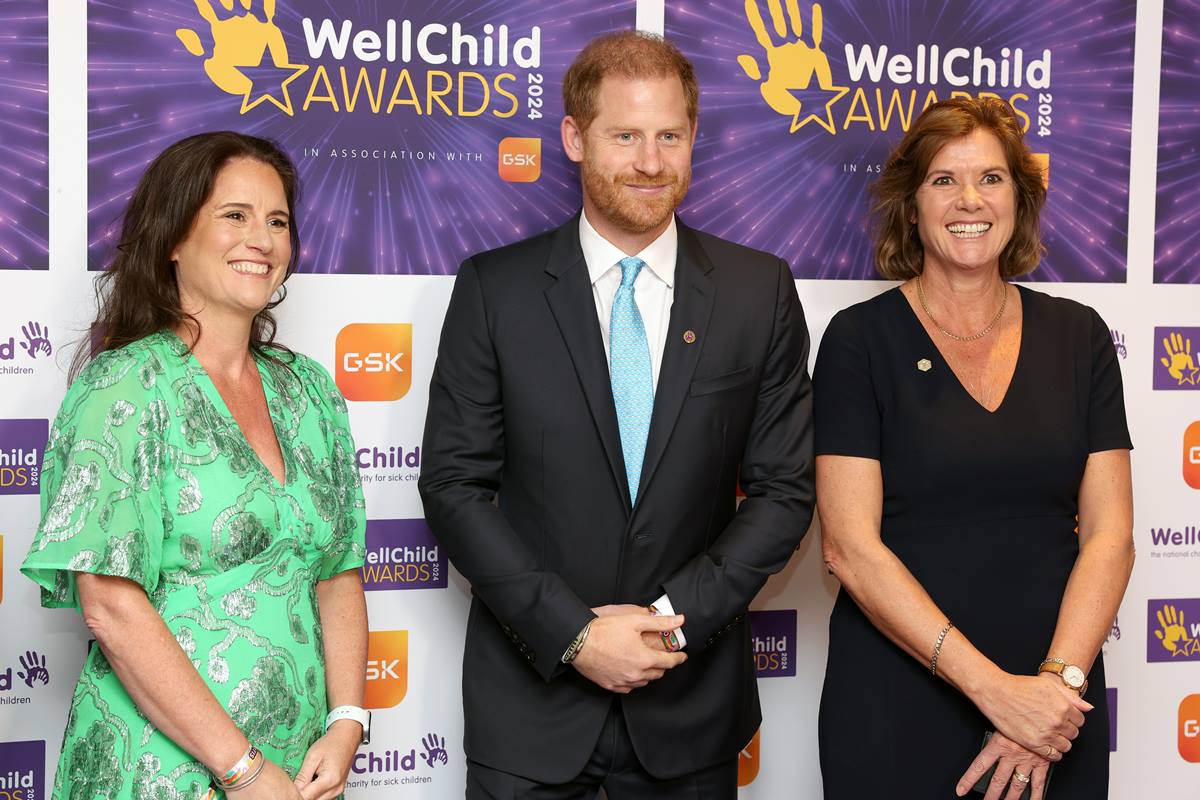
359, 715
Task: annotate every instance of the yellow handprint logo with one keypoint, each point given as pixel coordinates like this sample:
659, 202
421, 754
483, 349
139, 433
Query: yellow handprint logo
1179, 361
240, 38
1173, 635
791, 65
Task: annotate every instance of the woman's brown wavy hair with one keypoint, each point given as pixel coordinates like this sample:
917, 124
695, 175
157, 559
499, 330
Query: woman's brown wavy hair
899, 254
137, 295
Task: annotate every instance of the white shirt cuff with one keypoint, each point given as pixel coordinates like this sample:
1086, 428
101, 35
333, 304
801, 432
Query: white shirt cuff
663, 604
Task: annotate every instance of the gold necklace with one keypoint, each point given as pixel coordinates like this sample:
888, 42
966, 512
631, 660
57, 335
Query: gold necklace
955, 336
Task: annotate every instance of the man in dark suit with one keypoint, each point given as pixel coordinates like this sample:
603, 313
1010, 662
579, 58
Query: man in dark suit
599, 392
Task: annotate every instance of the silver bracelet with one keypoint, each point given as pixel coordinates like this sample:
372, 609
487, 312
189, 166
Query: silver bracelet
937, 647
577, 644
249, 779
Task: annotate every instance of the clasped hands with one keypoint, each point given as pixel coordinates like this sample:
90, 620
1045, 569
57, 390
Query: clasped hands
624, 649
322, 776
1037, 718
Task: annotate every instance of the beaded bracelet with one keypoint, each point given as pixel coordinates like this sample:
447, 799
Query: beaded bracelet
937, 647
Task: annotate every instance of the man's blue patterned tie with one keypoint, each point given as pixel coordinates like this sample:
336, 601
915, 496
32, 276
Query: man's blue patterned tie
629, 369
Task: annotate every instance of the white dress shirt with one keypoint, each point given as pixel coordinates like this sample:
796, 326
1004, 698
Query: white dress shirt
653, 291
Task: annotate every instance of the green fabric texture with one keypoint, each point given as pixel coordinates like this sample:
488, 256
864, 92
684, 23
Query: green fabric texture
148, 477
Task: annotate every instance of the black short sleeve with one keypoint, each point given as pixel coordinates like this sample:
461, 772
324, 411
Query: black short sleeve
846, 413
1107, 426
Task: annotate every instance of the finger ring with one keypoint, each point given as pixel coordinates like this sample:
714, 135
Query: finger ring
1021, 777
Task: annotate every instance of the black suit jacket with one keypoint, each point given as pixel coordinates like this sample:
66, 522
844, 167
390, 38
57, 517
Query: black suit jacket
523, 482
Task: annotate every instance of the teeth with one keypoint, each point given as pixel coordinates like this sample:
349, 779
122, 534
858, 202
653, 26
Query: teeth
969, 230
249, 267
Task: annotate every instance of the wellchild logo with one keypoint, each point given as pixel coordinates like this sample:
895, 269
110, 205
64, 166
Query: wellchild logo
371, 763
34, 345
402, 554
31, 672
433, 750
22, 770
1175, 367
1173, 637
387, 668
1168, 542
392, 464
358, 60
22, 445
1189, 728
774, 641
799, 80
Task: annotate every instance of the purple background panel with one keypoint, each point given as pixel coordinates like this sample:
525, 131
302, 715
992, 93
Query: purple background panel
25, 762
395, 211
402, 554
22, 447
24, 136
1177, 358
1176, 235
1181, 629
803, 195
773, 636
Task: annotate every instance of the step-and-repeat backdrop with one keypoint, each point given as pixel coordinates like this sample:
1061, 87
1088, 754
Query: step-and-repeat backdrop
428, 131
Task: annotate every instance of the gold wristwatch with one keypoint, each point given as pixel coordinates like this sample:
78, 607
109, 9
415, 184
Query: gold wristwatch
1071, 675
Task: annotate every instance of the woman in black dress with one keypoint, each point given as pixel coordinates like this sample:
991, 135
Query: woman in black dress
974, 490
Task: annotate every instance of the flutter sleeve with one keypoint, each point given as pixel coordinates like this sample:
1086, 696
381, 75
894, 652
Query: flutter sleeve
102, 507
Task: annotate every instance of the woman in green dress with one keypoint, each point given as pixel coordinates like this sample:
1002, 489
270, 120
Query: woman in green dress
201, 507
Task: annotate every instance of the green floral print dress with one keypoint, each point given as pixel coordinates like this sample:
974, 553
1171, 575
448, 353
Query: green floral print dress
148, 477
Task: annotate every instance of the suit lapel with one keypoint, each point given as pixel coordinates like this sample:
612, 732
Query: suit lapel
690, 311
574, 308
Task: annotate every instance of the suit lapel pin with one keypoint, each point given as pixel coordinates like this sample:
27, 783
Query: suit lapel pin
689, 336
924, 365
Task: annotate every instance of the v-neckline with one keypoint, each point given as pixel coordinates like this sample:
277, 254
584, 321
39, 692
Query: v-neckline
1012, 381
219, 401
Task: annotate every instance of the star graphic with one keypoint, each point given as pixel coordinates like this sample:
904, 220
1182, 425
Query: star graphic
1190, 377
268, 76
806, 98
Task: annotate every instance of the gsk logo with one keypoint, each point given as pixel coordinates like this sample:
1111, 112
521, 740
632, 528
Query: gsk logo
520, 159
748, 761
374, 361
1191, 455
1189, 728
387, 668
